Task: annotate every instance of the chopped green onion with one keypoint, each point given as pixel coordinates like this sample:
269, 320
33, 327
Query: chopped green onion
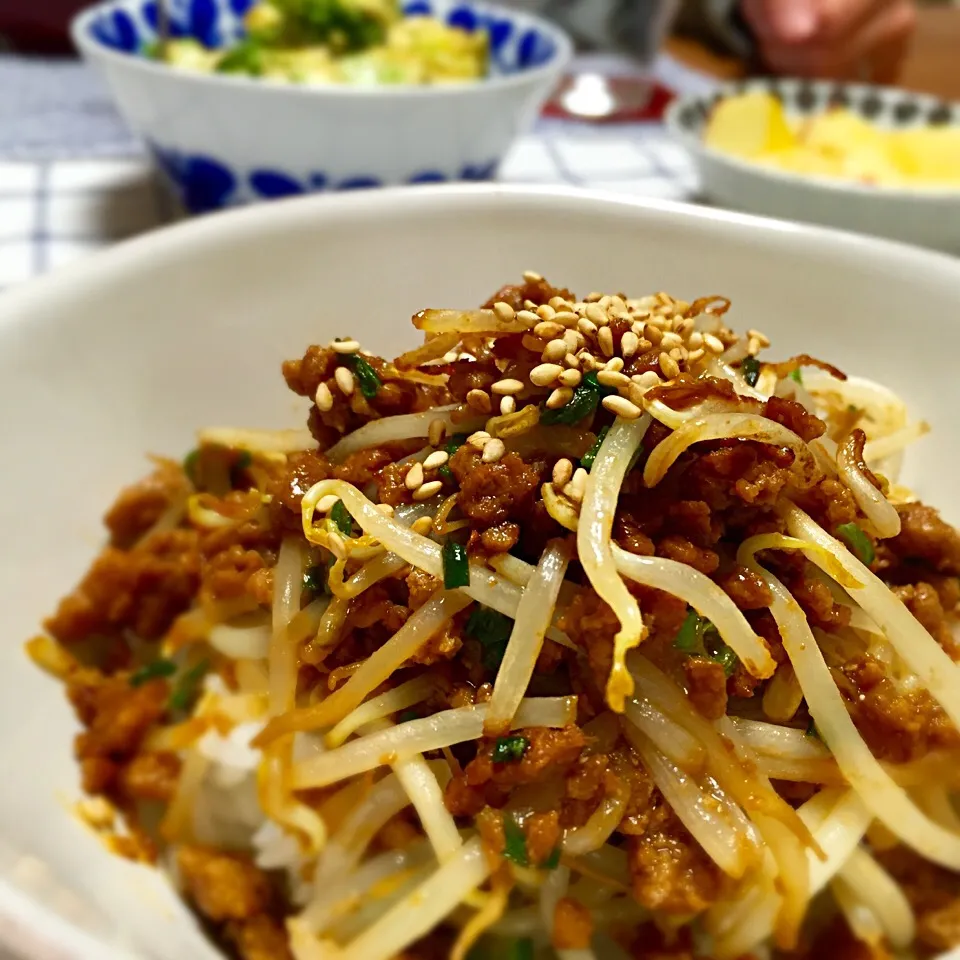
725, 657
456, 566
698, 637
245, 57
407, 716
510, 749
751, 370
492, 629
244, 459
553, 861
586, 461
584, 401
366, 376
812, 730
689, 637
796, 375
858, 542
190, 463
514, 842
453, 445
521, 950
341, 518
316, 579
151, 671
187, 687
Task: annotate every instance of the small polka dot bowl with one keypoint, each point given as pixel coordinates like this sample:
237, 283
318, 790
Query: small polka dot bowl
222, 139
908, 209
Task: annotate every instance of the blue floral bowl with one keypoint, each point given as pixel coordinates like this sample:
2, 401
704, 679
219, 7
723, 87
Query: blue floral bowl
224, 140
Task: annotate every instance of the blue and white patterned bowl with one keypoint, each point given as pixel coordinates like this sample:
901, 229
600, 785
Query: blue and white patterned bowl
225, 140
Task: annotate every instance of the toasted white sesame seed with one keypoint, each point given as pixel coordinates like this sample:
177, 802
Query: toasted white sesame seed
529, 305
587, 327
593, 297
545, 373
577, 486
422, 525
549, 330
570, 378
554, 351
559, 398
323, 397
344, 346
694, 355
753, 346
597, 314
568, 318
678, 354
451, 356
479, 401
558, 303
345, 381
493, 451
414, 477
503, 310
615, 364
573, 339
669, 366
506, 387
622, 407
531, 276
612, 378
685, 327
528, 316
545, 311
385, 508
670, 341
533, 344
635, 393
629, 343
436, 459
562, 472
648, 379
436, 432
712, 343
571, 361
428, 490
337, 547
695, 340
325, 505
652, 333
507, 405
762, 339
478, 439
605, 339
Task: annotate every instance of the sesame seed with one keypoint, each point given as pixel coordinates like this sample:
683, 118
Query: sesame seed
422, 525
558, 303
326, 504
345, 381
570, 378
451, 356
712, 343
336, 545
562, 472
615, 364
533, 344
587, 327
587, 360
559, 398
652, 333
753, 346
648, 379
427, 491
531, 276
478, 439
545, 311
605, 339
670, 341
344, 346
493, 451
323, 397
554, 351
685, 327
545, 373
695, 355
529, 305
577, 486
669, 366
528, 316
612, 378
549, 330
436, 432
567, 317
503, 310
385, 508
573, 339
479, 401
629, 343
621, 407
414, 477
593, 297
506, 387
695, 340
570, 360
436, 459
604, 302
596, 314
678, 354
759, 337
635, 393
507, 405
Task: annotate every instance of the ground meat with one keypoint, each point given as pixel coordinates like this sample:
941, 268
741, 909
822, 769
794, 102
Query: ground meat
502, 538
745, 588
362, 467
142, 589
543, 834
262, 937
443, 645
706, 686
817, 602
924, 536
934, 894
223, 886
923, 601
375, 607
302, 471
897, 726
150, 776
744, 472
491, 493
572, 925
228, 573
678, 548
422, 587
391, 485
139, 506
536, 291
794, 417
830, 503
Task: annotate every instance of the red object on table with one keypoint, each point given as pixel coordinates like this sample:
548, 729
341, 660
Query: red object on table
596, 98
39, 27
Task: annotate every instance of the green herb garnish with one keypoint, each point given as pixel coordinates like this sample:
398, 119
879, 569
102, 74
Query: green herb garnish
186, 688
407, 716
492, 630
796, 375
521, 949
190, 464
510, 749
751, 370
452, 446
246, 57
514, 842
341, 518
858, 542
152, 671
316, 579
585, 400
456, 566
725, 656
689, 637
243, 460
366, 376
698, 637
553, 861
586, 461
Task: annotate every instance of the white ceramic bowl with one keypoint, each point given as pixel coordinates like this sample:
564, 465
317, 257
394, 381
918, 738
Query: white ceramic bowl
131, 350
224, 140
929, 217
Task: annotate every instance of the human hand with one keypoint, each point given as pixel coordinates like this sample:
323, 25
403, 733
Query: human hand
839, 39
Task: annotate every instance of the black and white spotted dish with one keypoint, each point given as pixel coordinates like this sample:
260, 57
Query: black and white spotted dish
928, 216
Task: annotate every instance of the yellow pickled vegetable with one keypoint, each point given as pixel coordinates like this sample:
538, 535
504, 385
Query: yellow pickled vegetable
749, 125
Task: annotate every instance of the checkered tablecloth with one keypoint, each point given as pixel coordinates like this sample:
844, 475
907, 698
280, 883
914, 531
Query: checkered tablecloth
73, 180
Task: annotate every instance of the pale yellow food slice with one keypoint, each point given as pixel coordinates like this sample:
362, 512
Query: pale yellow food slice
928, 155
748, 126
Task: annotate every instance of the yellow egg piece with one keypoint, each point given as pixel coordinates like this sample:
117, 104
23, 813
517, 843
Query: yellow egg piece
929, 155
749, 125
840, 132
799, 159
